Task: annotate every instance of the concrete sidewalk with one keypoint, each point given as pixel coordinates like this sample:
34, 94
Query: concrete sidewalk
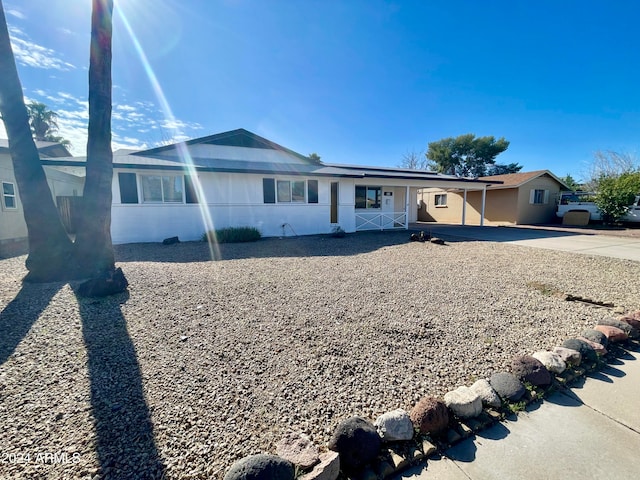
589, 431
604, 245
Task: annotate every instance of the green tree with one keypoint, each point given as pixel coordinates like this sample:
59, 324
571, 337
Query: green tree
465, 155
44, 124
571, 182
52, 255
616, 193
314, 157
499, 169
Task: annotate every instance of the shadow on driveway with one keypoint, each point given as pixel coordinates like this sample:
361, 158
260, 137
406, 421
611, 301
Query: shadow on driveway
465, 233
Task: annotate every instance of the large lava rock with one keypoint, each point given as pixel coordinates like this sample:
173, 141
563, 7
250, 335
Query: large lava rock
261, 467
107, 283
588, 354
430, 415
531, 370
357, 442
507, 386
624, 326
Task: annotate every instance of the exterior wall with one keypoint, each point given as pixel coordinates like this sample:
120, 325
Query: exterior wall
12, 227
63, 184
451, 213
229, 200
235, 200
531, 214
503, 206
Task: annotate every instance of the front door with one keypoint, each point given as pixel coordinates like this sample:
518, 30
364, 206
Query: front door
334, 202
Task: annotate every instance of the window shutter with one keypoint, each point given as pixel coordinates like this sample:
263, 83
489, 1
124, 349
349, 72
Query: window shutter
312, 191
191, 195
128, 187
532, 196
269, 190
546, 197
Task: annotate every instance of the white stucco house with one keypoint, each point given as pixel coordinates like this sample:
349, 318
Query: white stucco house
13, 229
238, 178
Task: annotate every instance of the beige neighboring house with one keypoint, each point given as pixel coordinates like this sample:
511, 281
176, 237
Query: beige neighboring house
522, 199
13, 229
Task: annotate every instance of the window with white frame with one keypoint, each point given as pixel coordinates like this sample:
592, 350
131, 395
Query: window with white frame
440, 199
290, 191
539, 197
368, 197
162, 188
9, 196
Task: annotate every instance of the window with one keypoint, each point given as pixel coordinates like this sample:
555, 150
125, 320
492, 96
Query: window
9, 196
165, 188
190, 191
269, 190
312, 191
128, 188
289, 191
539, 197
440, 200
368, 197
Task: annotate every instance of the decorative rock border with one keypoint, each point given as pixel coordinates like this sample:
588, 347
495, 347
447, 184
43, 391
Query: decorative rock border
360, 450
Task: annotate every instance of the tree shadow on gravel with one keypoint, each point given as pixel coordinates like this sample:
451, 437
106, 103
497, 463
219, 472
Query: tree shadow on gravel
272, 247
17, 318
125, 441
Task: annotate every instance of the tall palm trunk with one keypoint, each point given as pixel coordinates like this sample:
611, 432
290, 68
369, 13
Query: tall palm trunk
94, 250
49, 246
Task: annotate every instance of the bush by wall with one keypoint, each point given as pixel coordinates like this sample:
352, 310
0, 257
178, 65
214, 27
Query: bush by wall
233, 235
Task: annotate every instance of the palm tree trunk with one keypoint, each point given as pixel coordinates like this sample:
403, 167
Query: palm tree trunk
94, 249
49, 245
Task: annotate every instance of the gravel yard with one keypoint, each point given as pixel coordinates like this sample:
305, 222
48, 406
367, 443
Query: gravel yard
203, 363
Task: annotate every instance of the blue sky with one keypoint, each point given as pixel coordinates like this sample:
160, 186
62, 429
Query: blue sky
361, 82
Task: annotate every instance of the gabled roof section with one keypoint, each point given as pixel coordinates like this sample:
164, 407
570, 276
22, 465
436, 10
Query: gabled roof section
516, 180
233, 138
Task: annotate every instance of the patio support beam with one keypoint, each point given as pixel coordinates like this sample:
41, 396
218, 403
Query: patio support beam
464, 208
406, 209
484, 201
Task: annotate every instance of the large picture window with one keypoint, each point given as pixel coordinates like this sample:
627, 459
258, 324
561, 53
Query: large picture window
289, 191
162, 188
368, 197
9, 196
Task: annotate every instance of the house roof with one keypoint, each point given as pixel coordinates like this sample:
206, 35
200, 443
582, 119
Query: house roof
516, 180
233, 138
45, 149
240, 151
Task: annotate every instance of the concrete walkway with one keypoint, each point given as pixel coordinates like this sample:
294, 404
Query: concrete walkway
609, 246
590, 431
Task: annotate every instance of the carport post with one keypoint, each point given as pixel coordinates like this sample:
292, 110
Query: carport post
484, 201
464, 208
406, 208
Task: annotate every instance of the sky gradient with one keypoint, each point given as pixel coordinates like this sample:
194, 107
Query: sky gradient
360, 82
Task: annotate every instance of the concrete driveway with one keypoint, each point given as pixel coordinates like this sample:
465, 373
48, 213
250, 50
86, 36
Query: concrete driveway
624, 247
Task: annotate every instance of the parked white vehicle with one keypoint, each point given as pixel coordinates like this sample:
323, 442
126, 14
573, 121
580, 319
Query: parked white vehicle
584, 201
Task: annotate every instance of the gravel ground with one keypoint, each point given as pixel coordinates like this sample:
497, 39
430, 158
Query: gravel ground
202, 362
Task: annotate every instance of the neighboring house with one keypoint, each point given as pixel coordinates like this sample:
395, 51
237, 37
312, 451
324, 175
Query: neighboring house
13, 229
521, 199
237, 178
